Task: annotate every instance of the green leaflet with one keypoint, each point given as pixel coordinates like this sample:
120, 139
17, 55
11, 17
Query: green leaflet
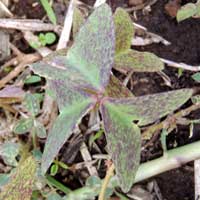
149, 108
186, 11
124, 141
116, 89
124, 30
93, 50
138, 61
125, 57
66, 94
21, 182
63, 127
59, 68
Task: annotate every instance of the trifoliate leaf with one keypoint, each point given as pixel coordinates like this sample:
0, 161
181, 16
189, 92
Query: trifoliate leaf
138, 61
124, 30
124, 141
21, 183
186, 11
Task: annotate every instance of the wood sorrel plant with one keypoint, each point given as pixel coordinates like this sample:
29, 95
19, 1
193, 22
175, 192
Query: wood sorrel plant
79, 81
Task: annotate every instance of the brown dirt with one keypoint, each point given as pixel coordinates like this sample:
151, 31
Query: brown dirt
185, 38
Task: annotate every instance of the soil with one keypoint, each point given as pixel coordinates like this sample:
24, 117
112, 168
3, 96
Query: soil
185, 39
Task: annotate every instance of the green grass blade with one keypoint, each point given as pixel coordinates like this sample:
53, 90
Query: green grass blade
49, 11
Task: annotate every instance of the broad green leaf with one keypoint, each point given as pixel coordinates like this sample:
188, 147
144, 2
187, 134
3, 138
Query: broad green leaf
93, 50
8, 152
21, 182
63, 127
32, 104
23, 126
123, 141
54, 169
186, 11
32, 79
78, 21
196, 77
49, 10
138, 61
149, 108
124, 30
116, 89
50, 38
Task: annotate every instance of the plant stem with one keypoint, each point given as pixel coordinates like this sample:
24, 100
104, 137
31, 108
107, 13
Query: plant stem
105, 182
173, 159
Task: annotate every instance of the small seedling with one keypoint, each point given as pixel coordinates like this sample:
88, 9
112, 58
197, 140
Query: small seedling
80, 82
31, 124
43, 40
47, 38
